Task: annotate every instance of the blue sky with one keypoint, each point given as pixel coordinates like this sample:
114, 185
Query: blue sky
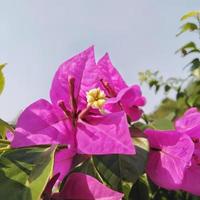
36, 36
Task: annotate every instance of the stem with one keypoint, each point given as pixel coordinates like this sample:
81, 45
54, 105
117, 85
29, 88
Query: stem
4, 141
61, 146
73, 100
61, 104
72, 90
97, 172
110, 90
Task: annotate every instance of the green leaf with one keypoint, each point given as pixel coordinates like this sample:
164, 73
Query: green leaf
89, 168
196, 73
116, 169
163, 124
188, 48
195, 13
25, 172
4, 126
189, 45
139, 191
137, 129
126, 188
194, 64
2, 79
187, 27
166, 108
153, 83
167, 88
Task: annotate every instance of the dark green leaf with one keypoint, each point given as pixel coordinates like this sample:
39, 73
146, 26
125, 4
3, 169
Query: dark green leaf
139, 191
153, 83
116, 169
188, 48
167, 88
88, 167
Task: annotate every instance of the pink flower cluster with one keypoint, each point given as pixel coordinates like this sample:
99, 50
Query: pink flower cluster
174, 159
87, 114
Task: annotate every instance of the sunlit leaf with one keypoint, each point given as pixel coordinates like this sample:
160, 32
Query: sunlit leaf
166, 107
163, 124
187, 27
195, 13
4, 126
24, 173
196, 73
2, 79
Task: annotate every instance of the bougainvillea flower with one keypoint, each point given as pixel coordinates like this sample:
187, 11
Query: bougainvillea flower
170, 155
190, 124
82, 186
191, 181
74, 117
120, 95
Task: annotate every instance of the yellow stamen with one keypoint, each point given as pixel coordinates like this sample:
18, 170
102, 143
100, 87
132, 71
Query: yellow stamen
96, 98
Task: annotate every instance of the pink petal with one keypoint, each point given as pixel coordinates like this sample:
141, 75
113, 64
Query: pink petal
63, 162
191, 182
81, 186
189, 123
170, 155
158, 138
109, 73
127, 99
107, 134
72, 68
133, 112
131, 96
40, 124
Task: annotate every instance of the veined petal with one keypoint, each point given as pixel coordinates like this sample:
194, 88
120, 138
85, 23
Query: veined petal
170, 155
107, 134
189, 123
41, 123
72, 68
109, 74
82, 186
160, 138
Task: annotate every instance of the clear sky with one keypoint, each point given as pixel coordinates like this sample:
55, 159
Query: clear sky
37, 35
